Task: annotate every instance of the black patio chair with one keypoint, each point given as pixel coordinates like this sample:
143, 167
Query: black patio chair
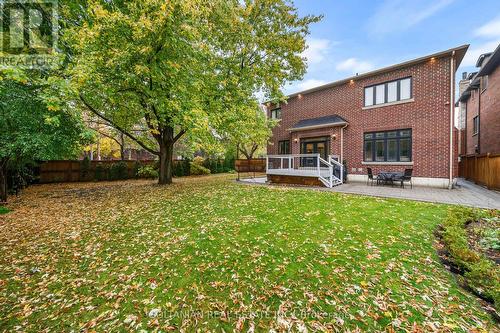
406, 177
370, 177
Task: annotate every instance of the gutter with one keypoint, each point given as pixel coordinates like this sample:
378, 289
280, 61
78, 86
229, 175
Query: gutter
452, 109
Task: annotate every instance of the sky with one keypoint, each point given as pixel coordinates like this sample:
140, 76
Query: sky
358, 36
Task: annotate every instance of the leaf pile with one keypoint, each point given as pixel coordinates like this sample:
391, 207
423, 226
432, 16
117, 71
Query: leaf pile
209, 254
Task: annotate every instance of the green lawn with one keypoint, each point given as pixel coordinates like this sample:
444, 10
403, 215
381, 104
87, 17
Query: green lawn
207, 253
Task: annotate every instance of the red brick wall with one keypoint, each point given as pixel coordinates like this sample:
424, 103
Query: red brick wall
472, 111
428, 116
490, 115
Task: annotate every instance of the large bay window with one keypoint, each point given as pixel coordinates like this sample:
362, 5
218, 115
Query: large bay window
388, 146
388, 92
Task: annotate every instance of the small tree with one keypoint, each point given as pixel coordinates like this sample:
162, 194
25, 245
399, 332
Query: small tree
182, 66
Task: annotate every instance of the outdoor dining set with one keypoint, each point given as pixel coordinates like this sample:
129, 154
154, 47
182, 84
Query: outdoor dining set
390, 178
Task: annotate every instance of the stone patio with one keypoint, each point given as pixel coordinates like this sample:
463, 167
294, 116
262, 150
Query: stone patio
466, 193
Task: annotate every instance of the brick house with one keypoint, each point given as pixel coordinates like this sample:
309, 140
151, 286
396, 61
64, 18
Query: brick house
391, 119
481, 101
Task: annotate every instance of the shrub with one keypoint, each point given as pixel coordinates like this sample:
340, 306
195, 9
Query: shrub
198, 160
101, 172
3, 210
196, 169
118, 171
180, 169
147, 171
85, 169
481, 274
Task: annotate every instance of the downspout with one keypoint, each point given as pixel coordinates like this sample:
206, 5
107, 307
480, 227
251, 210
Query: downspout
452, 109
342, 144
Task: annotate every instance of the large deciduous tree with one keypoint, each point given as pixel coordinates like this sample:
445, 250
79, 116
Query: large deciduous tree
183, 66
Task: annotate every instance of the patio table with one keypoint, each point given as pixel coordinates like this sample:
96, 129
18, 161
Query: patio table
389, 177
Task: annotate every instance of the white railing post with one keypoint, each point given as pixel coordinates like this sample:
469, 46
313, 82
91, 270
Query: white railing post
319, 166
267, 164
281, 160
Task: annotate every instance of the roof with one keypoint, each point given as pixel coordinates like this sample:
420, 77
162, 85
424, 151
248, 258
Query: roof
488, 67
492, 63
482, 58
320, 122
459, 53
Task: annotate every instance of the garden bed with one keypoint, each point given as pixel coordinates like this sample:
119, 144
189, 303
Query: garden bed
469, 246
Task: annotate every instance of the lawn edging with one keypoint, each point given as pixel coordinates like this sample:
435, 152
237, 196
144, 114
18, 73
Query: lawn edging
475, 272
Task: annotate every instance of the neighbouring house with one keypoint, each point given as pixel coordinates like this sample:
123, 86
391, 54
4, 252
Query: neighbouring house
481, 104
391, 119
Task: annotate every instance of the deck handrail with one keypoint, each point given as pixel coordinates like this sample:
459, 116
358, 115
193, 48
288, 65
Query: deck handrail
313, 166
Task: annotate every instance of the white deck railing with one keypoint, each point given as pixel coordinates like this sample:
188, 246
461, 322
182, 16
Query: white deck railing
306, 165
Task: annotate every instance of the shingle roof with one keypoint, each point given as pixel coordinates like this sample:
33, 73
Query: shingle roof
327, 121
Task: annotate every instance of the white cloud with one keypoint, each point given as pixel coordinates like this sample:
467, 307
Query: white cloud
317, 50
354, 65
308, 84
474, 52
400, 15
490, 29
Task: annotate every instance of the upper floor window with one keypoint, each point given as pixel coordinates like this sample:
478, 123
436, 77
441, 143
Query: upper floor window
475, 125
276, 113
484, 83
284, 147
388, 146
392, 91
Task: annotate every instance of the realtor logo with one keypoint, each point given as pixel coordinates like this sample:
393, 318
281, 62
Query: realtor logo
28, 32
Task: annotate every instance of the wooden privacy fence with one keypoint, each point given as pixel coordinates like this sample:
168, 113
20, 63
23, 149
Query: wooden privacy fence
78, 171
253, 165
482, 169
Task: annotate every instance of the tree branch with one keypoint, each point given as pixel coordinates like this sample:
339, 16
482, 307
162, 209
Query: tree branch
97, 113
179, 135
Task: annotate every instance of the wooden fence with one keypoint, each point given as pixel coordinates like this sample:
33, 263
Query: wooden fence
482, 169
78, 171
256, 165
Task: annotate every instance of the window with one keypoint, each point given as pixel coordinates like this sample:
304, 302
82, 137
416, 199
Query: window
276, 113
393, 91
388, 146
484, 83
475, 125
369, 96
284, 147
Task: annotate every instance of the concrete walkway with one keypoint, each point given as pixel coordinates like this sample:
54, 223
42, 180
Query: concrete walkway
466, 193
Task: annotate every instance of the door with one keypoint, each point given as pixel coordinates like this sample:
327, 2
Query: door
313, 146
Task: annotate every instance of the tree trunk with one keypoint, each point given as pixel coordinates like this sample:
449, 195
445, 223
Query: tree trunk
3, 181
122, 147
166, 163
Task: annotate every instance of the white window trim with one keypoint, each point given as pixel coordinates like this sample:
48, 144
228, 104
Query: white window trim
388, 104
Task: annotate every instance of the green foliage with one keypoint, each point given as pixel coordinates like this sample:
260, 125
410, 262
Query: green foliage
481, 274
85, 169
4, 210
490, 236
101, 172
181, 168
118, 171
147, 171
30, 131
198, 160
197, 170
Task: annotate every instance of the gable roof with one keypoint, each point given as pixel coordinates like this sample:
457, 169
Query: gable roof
328, 121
